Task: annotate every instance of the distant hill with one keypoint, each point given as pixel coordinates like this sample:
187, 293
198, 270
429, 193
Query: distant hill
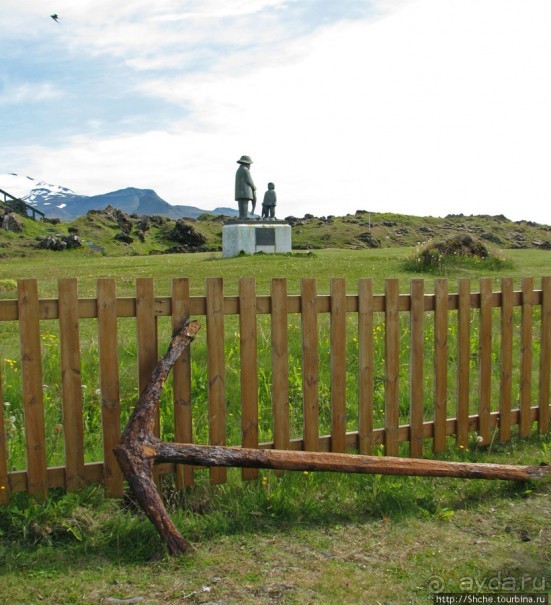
63, 203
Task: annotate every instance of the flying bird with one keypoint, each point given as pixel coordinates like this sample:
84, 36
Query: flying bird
55, 17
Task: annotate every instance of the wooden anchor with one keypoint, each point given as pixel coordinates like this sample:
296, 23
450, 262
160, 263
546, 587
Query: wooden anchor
138, 450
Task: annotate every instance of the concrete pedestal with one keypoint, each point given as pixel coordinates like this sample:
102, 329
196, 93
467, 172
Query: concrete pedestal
255, 236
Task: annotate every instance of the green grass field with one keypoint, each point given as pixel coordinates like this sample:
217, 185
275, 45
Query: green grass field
379, 264
295, 538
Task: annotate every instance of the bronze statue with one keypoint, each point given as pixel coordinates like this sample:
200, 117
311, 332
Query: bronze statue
269, 202
245, 189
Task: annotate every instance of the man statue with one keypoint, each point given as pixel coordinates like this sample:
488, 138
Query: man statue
245, 190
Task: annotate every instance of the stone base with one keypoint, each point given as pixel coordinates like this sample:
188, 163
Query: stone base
255, 236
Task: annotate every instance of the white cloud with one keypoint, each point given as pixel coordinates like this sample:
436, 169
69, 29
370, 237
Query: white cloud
218, 9
29, 92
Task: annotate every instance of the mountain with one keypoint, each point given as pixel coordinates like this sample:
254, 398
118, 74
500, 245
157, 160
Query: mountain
63, 203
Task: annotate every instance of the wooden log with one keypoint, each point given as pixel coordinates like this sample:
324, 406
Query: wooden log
205, 455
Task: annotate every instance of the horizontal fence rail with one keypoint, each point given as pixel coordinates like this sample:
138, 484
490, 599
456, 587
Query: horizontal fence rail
395, 373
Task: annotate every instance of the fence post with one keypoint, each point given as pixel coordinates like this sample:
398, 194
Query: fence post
417, 356
309, 317
392, 366
506, 378
338, 365
366, 371
181, 380
109, 381
71, 383
216, 370
33, 401
440, 363
545, 355
248, 346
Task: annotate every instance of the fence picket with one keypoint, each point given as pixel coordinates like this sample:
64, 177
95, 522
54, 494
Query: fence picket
280, 364
338, 365
463, 361
417, 335
216, 370
440, 363
545, 355
392, 366
526, 356
181, 377
366, 372
109, 384
146, 326
506, 376
33, 402
71, 384
249, 368
4, 479
309, 317
485, 353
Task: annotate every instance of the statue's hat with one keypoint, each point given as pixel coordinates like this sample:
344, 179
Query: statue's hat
245, 159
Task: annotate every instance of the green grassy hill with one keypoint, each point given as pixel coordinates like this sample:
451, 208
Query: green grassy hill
111, 232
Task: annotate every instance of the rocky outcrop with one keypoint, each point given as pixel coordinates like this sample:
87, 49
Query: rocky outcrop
12, 222
368, 239
58, 243
460, 245
124, 238
184, 233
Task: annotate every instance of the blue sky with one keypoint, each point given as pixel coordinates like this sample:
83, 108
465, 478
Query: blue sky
425, 107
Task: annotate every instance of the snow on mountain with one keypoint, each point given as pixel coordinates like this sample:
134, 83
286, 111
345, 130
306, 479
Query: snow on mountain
35, 192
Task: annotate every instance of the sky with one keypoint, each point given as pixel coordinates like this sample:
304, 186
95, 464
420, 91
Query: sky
424, 107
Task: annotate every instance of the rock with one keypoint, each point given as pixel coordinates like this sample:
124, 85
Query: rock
52, 221
65, 242
52, 243
158, 220
144, 224
524, 536
73, 230
368, 239
460, 245
11, 222
124, 238
18, 206
185, 234
491, 237
72, 241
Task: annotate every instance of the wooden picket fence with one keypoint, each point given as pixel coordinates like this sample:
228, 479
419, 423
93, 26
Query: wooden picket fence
495, 415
